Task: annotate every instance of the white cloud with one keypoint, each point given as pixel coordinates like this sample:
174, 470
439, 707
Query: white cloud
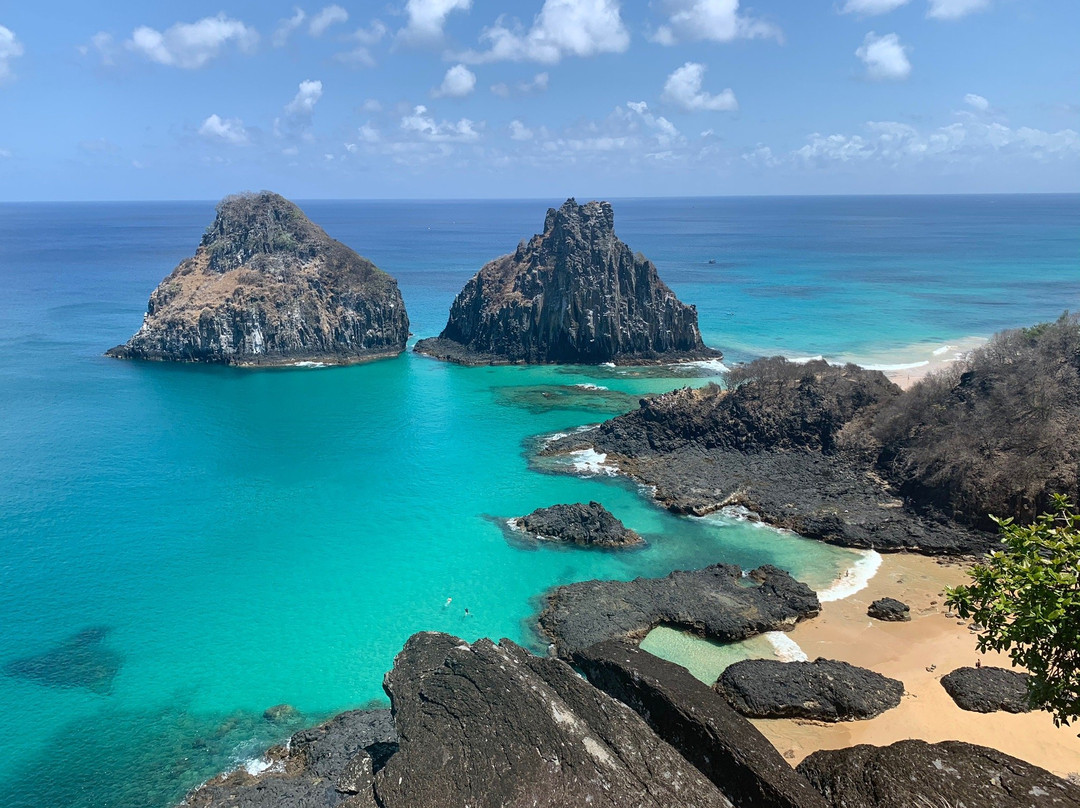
331, 15
368, 133
192, 45
103, 45
683, 89
287, 26
230, 130
10, 48
713, 20
968, 141
4, 154
307, 96
538, 84
976, 102
519, 131
458, 82
422, 124
427, 18
364, 39
885, 58
955, 9
562, 28
371, 105
663, 130
871, 7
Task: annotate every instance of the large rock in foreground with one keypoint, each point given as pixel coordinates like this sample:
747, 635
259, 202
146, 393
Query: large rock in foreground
330, 765
492, 726
717, 602
889, 610
268, 287
727, 748
573, 294
916, 773
590, 525
822, 690
987, 690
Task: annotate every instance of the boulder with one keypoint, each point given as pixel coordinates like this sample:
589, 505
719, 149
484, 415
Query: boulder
590, 525
266, 286
718, 602
328, 766
572, 294
909, 774
492, 726
727, 748
890, 610
987, 690
822, 690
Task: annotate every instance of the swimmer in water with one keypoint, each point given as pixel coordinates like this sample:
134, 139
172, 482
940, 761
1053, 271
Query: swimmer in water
448, 600
467, 612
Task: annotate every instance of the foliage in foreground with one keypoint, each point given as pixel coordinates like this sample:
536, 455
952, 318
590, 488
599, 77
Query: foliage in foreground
1026, 598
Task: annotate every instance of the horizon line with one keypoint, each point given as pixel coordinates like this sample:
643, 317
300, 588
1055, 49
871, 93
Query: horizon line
543, 198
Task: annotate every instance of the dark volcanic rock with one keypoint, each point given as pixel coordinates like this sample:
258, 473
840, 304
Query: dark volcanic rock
987, 690
822, 690
717, 602
783, 442
726, 747
268, 287
916, 773
330, 765
81, 660
590, 525
890, 610
573, 294
492, 726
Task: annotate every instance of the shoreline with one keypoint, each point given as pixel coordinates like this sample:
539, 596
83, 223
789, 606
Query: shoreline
918, 653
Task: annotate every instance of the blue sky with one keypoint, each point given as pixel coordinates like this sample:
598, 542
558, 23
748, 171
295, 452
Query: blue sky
537, 98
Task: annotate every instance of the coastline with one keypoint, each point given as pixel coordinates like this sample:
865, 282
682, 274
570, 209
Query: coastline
918, 653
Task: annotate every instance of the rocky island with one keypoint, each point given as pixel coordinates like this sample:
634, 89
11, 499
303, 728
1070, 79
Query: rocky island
572, 294
267, 286
586, 525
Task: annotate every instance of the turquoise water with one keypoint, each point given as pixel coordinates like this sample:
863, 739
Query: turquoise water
256, 538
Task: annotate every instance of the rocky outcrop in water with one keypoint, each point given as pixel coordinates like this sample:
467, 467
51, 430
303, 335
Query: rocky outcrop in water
330, 766
784, 442
822, 690
492, 726
727, 748
988, 690
717, 602
590, 525
572, 294
890, 610
266, 286
916, 773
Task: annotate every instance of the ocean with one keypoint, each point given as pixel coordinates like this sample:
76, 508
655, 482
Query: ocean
227, 540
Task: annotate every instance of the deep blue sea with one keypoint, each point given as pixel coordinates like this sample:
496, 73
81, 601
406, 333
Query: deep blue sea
239, 539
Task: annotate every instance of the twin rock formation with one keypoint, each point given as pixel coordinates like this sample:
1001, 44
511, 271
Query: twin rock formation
266, 286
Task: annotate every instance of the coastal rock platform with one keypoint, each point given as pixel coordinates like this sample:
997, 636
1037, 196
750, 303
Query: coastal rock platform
717, 602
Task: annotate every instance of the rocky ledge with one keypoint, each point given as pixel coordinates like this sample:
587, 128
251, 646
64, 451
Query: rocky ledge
917, 773
572, 294
718, 602
330, 765
987, 690
590, 525
266, 286
784, 441
822, 690
889, 610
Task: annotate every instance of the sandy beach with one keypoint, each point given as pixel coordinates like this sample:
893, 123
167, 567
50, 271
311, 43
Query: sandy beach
918, 653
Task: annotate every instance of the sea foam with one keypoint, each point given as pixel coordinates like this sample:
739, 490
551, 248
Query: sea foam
592, 463
785, 648
854, 579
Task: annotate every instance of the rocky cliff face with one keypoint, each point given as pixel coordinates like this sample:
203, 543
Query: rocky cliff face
268, 287
575, 294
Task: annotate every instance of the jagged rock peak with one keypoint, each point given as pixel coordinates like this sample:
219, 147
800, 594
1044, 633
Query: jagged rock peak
574, 293
250, 224
267, 286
